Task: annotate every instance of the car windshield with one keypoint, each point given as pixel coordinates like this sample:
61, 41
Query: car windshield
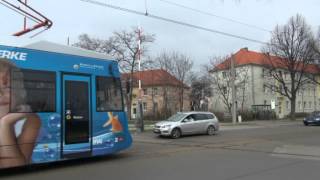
176, 117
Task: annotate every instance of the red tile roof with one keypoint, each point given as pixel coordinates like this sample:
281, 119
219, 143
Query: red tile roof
156, 77
245, 57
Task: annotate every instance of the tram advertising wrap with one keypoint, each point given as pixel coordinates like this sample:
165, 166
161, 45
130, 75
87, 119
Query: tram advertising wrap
58, 105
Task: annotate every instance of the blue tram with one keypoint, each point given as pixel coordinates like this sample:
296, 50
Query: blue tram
58, 103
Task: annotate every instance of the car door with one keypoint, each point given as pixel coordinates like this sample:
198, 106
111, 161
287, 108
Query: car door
202, 123
196, 126
187, 124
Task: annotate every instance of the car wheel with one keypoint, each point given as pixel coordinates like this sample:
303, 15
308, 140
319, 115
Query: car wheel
176, 133
211, 131
306, 124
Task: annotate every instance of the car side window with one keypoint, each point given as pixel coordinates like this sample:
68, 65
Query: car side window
210, 116
189, 118
200, 117
196, 117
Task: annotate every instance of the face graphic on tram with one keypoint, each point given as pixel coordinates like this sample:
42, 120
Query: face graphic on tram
18, 127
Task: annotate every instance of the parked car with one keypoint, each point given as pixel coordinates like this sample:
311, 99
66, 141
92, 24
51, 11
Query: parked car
312, 119
184, 123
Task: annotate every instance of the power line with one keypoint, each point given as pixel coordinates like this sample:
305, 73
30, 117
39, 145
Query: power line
172, 21
217, 16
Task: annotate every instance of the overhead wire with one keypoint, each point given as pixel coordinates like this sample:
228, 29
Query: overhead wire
214, 15
36, 34
147, 14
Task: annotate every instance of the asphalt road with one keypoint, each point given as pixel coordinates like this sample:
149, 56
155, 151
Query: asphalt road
286, 151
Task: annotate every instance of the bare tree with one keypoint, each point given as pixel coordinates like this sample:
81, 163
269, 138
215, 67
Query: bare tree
290, 51
164, 61
222, 79
183, 66
94, 44
125, 48
317, 45
201, 90
179, 65
123, 45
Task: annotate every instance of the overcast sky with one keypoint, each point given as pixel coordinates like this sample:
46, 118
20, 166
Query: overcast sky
74, 17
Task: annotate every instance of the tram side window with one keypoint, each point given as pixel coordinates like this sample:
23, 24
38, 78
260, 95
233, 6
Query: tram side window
109, 97
33, 91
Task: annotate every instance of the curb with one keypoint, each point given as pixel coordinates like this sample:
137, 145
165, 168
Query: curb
148, 127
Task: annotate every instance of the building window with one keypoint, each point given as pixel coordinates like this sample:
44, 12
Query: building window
286, 75
109, 97
299, 105
155, 91
304, 104
34, 91
280, 107
155, 106
224, 74
145, 106
145, 91
265, 102
310, 104
287, 105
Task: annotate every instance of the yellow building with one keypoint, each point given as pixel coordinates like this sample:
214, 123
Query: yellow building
161, 94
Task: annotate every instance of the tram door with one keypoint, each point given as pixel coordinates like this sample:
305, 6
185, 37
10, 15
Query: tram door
76, 135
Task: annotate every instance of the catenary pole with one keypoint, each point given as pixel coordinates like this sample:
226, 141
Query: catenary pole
233, 78
140, 123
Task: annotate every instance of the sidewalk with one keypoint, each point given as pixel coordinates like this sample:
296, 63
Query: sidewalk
230, 126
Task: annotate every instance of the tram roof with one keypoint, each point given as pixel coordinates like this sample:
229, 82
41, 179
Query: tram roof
71, 50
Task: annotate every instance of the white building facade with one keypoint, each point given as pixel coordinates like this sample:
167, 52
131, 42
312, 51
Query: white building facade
252, 90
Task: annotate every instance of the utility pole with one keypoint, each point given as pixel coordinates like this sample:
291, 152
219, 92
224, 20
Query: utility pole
140, 124
68, 41
233, 78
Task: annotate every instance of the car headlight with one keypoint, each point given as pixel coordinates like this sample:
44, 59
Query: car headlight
166, 126
317, 119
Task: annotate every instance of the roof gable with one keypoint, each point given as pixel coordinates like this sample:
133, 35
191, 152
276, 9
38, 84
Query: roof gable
246, 57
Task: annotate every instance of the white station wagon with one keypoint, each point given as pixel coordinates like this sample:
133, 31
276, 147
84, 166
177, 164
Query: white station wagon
184, 123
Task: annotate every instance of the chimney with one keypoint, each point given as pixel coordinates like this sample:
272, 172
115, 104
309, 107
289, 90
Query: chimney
245, 49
